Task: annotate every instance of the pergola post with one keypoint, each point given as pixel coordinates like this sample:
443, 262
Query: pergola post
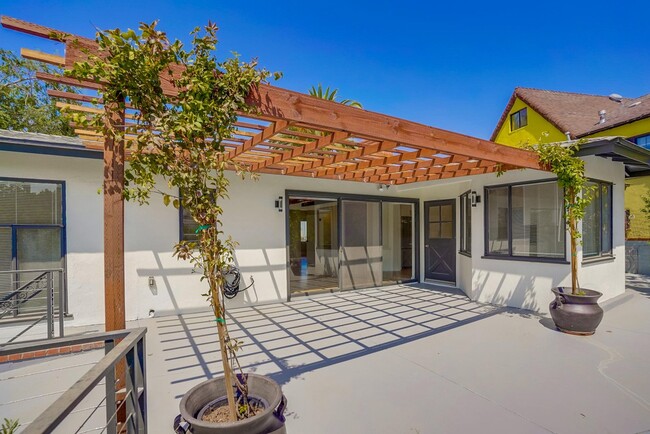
114, 223
114, 307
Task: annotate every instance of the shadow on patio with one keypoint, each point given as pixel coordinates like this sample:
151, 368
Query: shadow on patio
639, 283
287, 340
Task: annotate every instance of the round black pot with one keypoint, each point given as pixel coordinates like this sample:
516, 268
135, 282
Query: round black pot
259, 386
576, 314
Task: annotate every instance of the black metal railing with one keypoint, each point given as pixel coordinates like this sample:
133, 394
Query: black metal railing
123, 402
31, 297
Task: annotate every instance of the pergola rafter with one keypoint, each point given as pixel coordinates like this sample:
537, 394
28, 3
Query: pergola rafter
295, 134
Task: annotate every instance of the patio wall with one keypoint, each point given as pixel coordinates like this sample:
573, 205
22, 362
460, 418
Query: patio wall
252, 220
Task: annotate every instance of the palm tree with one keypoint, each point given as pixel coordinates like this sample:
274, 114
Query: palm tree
330, 95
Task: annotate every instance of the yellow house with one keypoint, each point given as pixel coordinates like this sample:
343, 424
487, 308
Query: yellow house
532, 115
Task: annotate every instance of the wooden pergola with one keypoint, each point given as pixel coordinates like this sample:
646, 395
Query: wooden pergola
291, 134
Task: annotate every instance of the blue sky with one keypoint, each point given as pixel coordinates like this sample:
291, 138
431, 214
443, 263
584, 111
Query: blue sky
452, 65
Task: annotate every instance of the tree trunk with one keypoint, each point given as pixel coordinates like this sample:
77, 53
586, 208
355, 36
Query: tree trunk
573, 234
574, 258
221, 329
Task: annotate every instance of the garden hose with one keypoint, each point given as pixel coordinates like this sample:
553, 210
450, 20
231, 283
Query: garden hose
232, 279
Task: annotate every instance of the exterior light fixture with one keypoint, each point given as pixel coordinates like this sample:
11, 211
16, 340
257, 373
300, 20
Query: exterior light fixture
475, 198
383, 187
278, 203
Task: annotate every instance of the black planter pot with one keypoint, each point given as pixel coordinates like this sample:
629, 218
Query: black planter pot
259, 387
576, 314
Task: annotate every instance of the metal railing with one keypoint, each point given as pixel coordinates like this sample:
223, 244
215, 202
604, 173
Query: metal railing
31, 297
125, 409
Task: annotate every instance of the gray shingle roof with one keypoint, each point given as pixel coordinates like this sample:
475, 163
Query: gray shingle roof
26, 137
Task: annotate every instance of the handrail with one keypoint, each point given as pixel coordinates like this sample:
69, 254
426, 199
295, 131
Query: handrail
24, 347
43, 289
47, 421
17, 291
36, 270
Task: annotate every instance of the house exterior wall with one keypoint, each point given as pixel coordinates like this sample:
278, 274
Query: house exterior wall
639, 223
638, 233
151, 232
251, 218
537, 128
526, 284
633, 129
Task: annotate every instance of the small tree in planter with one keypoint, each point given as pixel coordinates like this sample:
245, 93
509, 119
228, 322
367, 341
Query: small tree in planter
179, 139
576, 312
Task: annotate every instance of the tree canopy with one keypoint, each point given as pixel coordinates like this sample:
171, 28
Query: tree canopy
331, 95
178, 140
24, 103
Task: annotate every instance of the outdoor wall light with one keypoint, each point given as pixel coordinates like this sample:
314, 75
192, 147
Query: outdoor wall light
475, 198
278, 203
383, 187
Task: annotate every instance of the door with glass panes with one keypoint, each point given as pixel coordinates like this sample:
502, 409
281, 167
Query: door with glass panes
440, 240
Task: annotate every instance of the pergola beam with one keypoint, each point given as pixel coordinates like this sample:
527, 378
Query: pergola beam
273, 148
293, 106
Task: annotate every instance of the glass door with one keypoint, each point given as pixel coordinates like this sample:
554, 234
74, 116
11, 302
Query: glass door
440, 240
361, 247
398, 253
313, 245
337, 242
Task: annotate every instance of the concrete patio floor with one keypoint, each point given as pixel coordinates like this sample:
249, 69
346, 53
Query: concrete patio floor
422, 359
415, 359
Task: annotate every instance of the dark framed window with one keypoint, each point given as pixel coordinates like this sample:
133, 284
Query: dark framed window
643, 141
466, 223
32, 232
597, 222
519, 119
187, 226
525, 220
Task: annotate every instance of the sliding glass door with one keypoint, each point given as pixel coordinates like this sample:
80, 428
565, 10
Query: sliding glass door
313, 245
336, 242
398, 252
361, 249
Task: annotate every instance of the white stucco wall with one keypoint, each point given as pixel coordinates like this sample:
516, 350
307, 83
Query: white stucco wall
252, 220
527, 284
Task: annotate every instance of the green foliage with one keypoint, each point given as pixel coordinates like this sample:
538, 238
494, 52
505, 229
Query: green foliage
330, 95
9, 426
179, 138
24, 103
176, 138
570, 172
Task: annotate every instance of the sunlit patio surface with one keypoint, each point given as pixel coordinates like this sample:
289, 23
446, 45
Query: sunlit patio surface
402, 359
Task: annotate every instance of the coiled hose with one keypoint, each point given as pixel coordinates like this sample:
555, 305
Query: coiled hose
232, 279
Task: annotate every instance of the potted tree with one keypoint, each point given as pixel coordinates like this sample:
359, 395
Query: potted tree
574, 310
182, 103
